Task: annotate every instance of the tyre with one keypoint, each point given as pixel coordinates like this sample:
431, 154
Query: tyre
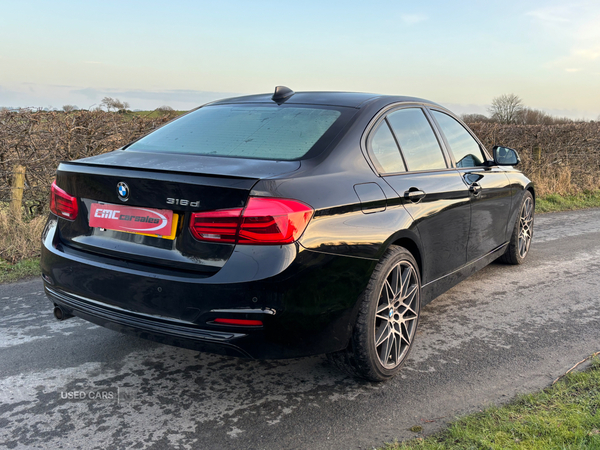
520, 240
387, 319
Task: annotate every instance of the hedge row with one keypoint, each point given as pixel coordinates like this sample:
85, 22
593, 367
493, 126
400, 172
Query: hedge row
559, 158
562, 158
40, 140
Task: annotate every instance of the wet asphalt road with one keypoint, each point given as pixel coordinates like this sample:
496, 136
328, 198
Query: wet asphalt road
504, 331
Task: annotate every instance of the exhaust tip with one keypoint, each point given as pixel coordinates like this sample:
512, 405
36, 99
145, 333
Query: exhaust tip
60, 314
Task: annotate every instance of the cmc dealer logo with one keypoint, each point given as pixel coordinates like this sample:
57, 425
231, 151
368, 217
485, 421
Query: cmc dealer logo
138, 218
131, 219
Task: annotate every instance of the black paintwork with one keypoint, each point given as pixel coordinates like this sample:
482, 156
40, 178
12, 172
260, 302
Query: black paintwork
305, 293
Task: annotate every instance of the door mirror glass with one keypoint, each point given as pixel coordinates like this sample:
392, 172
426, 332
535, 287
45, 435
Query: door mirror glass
504, 156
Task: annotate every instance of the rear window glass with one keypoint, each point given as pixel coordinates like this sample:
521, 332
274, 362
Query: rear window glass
386, 151
417, 141
246, 131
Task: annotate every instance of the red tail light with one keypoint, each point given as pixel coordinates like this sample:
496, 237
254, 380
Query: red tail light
218, 226
263, 221
63, 204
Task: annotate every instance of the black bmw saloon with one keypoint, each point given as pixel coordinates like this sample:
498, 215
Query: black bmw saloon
284, 225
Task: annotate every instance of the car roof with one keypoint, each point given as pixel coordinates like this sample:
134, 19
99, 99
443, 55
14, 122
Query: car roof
347, 99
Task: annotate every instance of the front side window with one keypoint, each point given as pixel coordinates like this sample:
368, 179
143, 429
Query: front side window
247, 131
418, 143
466, 150
385, 150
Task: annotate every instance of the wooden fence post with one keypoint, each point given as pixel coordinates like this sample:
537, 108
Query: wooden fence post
16, 191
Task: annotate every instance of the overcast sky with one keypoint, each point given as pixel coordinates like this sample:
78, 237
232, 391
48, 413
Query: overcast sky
149, 53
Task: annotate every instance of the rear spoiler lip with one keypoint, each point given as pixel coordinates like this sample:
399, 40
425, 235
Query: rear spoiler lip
160, 175
188, 164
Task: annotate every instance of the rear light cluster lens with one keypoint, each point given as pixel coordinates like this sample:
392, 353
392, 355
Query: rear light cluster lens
263, 221
63, 204
219, 226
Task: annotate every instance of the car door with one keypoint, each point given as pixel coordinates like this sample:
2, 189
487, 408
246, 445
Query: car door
489, 187
408, 155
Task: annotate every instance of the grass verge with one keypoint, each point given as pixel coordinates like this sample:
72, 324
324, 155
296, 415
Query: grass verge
23, 269
556, 202
20, 246
20, 238
564, 416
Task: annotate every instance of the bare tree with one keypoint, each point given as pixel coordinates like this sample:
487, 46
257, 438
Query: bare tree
529, 116
69, 108
506, 108
114, 103
165, 109
474, 118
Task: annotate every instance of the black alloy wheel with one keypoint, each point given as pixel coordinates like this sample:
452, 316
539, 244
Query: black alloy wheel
522, 234
387, 322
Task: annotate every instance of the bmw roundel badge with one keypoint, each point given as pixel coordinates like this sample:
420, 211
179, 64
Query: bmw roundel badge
123, 191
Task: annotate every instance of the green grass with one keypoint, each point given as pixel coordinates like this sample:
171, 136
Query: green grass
556, 202
23, 269
564, 416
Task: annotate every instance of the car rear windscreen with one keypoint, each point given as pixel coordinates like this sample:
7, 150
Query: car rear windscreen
248, 131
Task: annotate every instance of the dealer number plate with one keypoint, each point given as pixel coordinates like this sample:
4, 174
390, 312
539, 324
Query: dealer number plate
131, 219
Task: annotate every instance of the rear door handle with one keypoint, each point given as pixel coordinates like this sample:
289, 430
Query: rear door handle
414, 194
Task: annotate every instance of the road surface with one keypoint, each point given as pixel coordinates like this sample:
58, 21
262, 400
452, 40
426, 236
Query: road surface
504, 331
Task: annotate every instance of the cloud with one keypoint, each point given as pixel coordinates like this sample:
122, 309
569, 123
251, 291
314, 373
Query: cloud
572, 30
411, 19
550, 15
587, 53
576, 14
161, 97
34, 95
579, 59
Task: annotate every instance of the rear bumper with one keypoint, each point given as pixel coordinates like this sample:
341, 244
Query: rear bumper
159, 329
306, 300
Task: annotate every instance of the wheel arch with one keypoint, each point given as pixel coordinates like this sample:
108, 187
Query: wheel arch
531, 188
411, 242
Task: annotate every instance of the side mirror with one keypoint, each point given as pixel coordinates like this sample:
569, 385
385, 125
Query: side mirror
504, 156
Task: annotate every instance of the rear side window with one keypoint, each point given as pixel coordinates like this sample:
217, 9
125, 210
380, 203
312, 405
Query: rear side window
246, 131
417, 141
465, 149
385, 150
